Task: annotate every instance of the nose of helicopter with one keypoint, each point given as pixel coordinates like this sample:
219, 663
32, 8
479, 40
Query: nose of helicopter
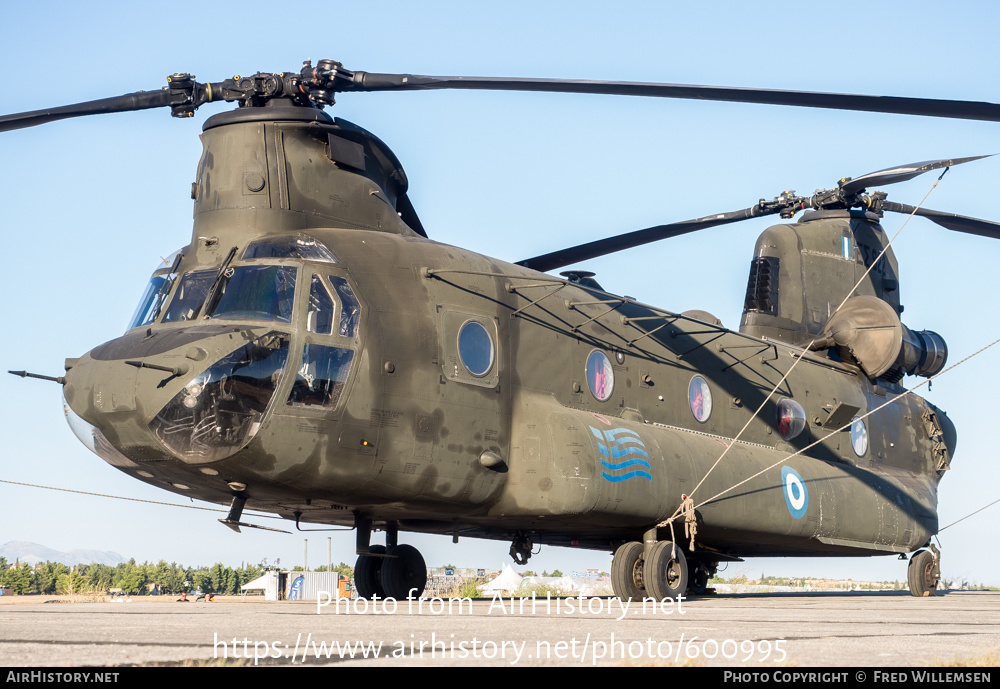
196, 394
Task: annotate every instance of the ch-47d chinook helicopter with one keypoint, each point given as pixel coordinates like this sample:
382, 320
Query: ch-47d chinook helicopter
312, 353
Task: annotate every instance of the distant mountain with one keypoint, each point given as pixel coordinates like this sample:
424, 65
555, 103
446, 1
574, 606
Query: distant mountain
32, 553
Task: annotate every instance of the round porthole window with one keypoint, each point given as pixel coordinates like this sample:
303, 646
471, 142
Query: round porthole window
700, 399
859, 437
791, 418
600, 376
475, 347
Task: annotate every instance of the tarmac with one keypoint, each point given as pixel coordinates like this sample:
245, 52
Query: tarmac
759, 631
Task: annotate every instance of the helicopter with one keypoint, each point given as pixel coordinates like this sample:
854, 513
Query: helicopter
313, 353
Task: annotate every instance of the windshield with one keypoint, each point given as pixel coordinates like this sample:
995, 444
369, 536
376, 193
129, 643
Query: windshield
156, 291
190, 296
255, 293
149, 304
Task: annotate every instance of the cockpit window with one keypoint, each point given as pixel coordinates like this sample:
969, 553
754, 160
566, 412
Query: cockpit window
152, 299
289, 246
322, 376
350, 312
156, 291
255, 293
321, 307
220, 409
190, 296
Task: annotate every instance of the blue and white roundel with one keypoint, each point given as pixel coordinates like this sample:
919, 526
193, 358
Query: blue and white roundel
796, 494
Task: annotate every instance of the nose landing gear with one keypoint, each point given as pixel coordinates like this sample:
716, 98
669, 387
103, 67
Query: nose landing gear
924, 572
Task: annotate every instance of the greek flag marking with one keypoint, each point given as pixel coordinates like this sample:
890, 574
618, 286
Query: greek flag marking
623, 444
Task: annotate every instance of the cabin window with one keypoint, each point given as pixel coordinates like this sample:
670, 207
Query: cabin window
700, 399
475, 348
322, 376
471, 352
859, 436
791, 418
600, 376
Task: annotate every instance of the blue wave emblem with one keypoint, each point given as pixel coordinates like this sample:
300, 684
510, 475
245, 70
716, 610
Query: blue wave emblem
624, 445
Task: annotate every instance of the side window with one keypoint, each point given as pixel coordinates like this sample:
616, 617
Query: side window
471, 351
600, 376
322, 376
320, 317
475, 348
700, 399
791, 418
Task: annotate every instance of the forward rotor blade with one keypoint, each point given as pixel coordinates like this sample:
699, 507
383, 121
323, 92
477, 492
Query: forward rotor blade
141, 100
902, 173
929, 107
959, 223
609, 245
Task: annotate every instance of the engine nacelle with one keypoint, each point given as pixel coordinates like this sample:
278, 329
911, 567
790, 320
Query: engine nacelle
867, 331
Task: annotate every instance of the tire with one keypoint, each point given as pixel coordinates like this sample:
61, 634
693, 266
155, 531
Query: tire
627, 572
922, 574
368, 574
665, 572
699, 579
403, 572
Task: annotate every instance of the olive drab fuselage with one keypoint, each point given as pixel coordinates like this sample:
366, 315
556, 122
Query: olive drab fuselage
449, 392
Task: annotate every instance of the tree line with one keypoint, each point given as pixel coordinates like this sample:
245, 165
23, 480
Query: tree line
130, 577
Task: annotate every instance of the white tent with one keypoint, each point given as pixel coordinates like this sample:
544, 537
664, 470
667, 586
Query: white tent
267, 582
508, 581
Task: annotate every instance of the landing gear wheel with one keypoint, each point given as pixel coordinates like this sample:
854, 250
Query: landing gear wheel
368, 574
665, 572
404, 573
699, 579
922, 574
627, 572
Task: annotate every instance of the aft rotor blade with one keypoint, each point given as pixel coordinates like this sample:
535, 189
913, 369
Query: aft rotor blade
141, 100
609, 245
902, 173
959, 223
929, 107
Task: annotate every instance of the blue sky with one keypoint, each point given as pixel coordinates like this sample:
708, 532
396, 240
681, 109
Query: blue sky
90, 205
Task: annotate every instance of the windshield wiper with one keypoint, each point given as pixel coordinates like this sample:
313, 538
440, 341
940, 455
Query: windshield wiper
161, 296
213, 292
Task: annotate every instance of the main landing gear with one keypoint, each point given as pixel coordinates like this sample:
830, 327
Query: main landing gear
389, 571
658, 569
924, 572
652, 570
